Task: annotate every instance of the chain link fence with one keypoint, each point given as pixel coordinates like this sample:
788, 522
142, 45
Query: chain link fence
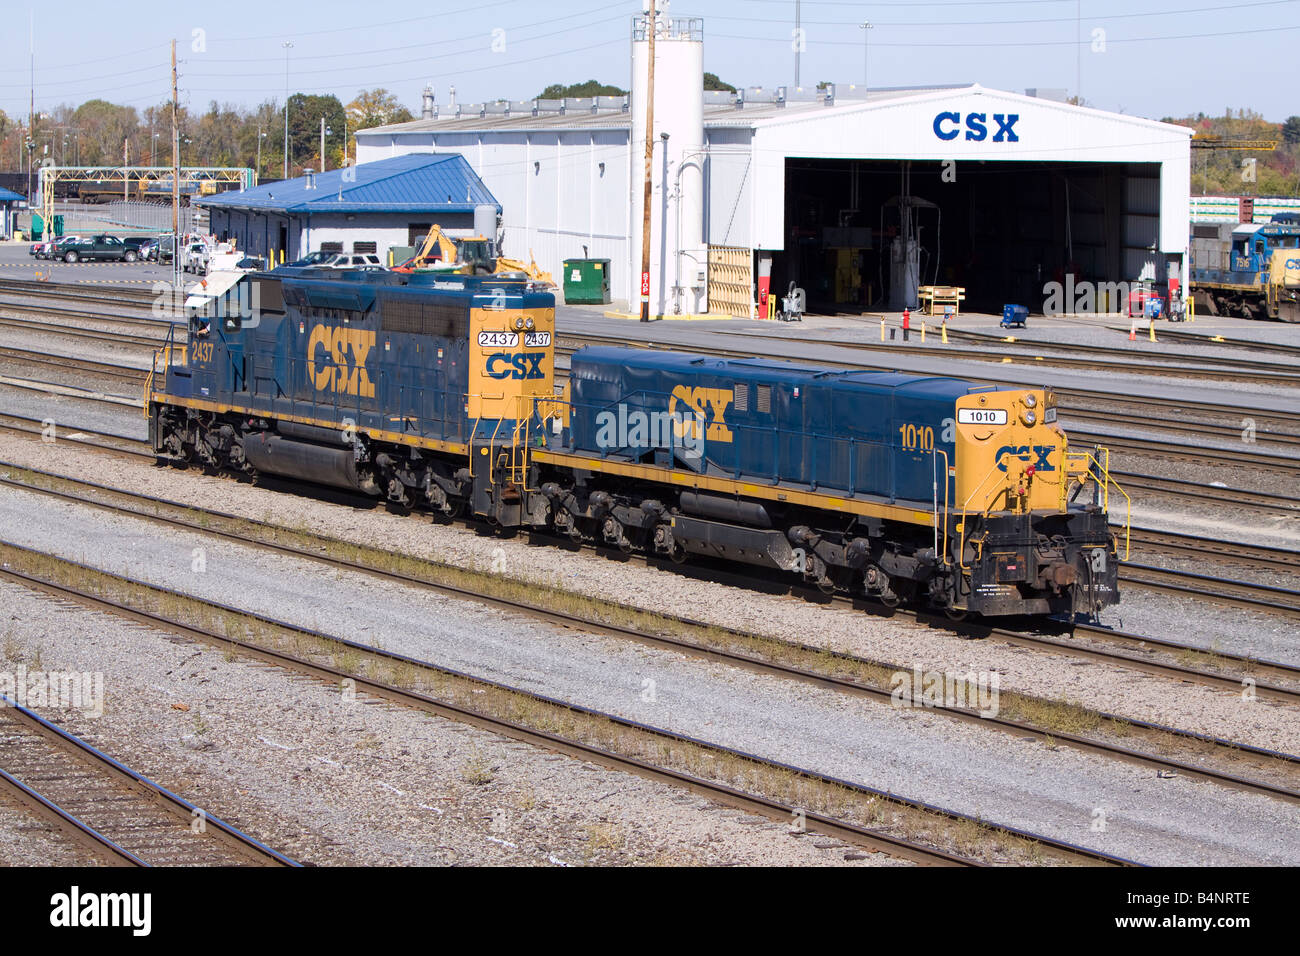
127, 216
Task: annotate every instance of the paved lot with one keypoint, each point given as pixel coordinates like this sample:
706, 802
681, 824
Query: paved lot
15, 263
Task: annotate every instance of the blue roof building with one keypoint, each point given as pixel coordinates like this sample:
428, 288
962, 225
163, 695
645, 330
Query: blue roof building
367, 208
7, 200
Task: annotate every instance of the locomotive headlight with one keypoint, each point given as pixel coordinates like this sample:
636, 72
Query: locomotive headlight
528, 323
519, 323
1030, 401
1028, 417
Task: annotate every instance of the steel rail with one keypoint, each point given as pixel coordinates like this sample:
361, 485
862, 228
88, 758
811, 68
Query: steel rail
640, 635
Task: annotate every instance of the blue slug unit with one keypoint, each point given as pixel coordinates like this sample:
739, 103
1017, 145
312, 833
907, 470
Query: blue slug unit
868, 433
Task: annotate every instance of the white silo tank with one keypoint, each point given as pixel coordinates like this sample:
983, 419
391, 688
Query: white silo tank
677, 252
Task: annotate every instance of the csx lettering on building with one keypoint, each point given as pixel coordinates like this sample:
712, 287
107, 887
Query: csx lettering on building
342, 368
948, 125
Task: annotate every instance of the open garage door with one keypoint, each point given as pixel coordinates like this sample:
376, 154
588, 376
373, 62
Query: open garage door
1000, 229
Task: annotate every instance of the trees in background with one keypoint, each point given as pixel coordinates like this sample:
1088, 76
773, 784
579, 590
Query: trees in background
1220, 171
222, 134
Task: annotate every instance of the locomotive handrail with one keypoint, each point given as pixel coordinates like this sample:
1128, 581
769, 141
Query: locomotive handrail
1103, 465
934, 463
965, 510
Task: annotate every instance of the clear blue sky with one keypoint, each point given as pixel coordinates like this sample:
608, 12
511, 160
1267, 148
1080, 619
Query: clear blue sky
1160, 57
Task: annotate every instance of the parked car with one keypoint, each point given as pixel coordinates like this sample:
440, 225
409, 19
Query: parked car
58, 247
100, 249
136, 243
44, 248
312, 258
159, 250
343, 260
195, 258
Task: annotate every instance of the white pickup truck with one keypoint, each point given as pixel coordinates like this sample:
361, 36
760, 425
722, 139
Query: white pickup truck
202, 259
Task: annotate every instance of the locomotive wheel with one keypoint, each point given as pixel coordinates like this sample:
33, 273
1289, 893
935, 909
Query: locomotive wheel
955, 613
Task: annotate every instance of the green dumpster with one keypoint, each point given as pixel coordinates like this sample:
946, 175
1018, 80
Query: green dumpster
586, 281
58, 226
38, 227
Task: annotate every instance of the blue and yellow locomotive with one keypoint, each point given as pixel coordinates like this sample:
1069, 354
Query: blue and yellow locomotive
439, 391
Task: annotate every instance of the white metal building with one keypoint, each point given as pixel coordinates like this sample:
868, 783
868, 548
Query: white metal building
857, 196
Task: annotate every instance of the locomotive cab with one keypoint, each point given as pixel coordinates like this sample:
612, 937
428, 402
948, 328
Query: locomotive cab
1022, 540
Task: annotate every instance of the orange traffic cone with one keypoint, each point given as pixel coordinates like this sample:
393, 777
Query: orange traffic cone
1133, 331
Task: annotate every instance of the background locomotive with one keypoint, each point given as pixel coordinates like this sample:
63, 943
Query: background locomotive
439, 391
1251, 270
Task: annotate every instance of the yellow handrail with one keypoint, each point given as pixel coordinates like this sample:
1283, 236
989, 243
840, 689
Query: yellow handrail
1106, 482
965, 508
934, 458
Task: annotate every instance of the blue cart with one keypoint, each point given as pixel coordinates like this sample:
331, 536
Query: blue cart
1014, 316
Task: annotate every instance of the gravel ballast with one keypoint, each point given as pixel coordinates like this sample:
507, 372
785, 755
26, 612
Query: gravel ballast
967, 768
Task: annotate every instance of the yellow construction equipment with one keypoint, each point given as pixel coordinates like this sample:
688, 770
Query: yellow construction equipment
469, 256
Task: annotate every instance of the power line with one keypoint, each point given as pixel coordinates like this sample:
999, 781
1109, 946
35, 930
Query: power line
1020, 43
1177, 11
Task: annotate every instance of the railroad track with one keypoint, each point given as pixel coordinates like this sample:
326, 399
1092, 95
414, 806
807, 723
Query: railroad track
447, 704
136, 376
1223, 432
1185, 366
118, 814
1259, 500
118, 295
1200, 454
1248, 595
84, 334
1197, 546
83, 437
800, 662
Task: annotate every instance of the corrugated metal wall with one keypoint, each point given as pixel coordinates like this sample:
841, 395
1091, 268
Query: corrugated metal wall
1141, 223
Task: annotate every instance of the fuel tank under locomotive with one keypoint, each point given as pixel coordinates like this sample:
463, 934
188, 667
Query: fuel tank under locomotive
335, 465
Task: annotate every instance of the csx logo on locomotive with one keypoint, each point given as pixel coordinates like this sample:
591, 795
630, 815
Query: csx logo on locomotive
1037, 455
516, 365
700, 400
343, 366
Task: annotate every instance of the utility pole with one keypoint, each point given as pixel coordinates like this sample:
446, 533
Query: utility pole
322, 144
126, 176
260, 134
649, 163
176, 183
31, 110
288, 45
798, 42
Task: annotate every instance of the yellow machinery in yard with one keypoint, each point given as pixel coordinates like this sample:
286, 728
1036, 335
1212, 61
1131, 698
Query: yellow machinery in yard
469, 256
